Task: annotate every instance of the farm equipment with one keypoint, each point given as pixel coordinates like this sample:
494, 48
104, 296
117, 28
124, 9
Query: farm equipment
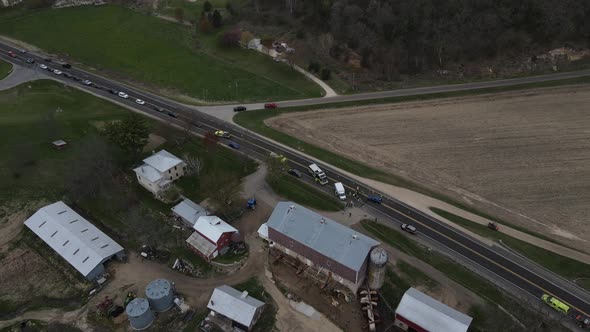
105, 306
493, 226
251, 205
130, 296
583, 321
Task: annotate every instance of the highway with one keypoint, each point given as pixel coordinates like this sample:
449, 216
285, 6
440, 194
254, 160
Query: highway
253, 144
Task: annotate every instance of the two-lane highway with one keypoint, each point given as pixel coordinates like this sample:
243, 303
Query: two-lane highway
478, 253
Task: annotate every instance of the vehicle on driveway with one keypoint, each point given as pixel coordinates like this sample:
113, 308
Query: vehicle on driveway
233, 145
123, 95
57, 72
30, 60
86, 82
409, 228
11, 53
140, 102
240, 108
270, 105
222, 133
42, 66
172, 114
295, 173
377, 199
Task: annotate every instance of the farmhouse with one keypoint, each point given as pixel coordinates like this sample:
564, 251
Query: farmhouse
419, 312
319, 242
211, 236
238, 309
159, 170
74, 238
189, 212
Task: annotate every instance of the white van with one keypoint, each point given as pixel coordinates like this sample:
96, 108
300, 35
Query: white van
339, 191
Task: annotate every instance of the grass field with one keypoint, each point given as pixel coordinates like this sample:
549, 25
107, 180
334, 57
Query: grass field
5, 69
304, 194
566, 267
160, 53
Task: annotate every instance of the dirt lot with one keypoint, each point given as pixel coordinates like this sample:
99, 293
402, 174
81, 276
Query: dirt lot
521, 155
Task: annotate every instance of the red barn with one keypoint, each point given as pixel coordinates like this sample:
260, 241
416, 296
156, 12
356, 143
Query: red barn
211, 235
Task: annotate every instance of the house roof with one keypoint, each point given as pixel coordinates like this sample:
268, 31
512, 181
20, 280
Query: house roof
162, 161
237, 306
148, 172
189, 210
201, 244
326, 236
212, 227
74, 238
430, 314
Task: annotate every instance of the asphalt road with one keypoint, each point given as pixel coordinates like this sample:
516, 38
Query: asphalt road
252, 144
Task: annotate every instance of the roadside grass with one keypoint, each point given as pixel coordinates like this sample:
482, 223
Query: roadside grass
302, 193
160, 53
192, 9
267, 320
486, 318
566, 267
254, 120
416, 276
5, 69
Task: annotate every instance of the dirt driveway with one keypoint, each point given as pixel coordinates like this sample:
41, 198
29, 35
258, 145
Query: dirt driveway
521, 155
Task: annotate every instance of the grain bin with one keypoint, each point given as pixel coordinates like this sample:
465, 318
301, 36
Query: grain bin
139, 314
377, 262
160, 295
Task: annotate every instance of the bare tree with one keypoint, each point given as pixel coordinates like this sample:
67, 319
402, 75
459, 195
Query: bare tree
222, 189
195, 164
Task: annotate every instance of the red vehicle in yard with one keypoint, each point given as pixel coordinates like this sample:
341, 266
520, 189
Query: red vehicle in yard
11, 53
270, 105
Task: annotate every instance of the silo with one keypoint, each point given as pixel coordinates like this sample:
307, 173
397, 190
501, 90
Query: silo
160, 295
377, 263
139, 314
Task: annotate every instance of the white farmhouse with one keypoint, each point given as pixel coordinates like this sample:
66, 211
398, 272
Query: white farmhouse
159, 171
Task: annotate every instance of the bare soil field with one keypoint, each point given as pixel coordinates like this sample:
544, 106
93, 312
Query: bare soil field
523, 156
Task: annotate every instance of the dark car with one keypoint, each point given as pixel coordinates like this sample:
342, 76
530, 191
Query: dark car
66, 65
68, 75
172, 114
233, 145
375, 199
295, 172
270, 105
47, 59
409, 228
115, 92
30, 60
240, 108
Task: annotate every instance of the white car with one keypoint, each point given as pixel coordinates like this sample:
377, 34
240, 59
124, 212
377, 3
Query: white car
42, 66
57, 72
123, 95
139, 101
86, 82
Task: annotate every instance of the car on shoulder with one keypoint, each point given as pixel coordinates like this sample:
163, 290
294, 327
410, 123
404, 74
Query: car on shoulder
66, 65
240, 108
123, 95
172, 114
222, 133
270, 105
295, 173
409, 228
233, 145
57, 72
42, 66
140, 102
377, 199
30, 60
12, 54
86, 82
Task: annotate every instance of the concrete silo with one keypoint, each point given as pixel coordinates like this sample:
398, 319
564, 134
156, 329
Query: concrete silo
160, 294
139, 314
377, 266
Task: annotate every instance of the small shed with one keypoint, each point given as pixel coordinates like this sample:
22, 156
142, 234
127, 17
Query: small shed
189, 212
59, 144
243, 310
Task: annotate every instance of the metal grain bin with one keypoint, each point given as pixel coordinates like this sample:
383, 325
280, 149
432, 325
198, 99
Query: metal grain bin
160, 294
139, 314
377, 265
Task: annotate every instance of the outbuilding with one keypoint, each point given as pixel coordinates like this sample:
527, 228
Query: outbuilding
74, 238
421, 313
238, 307
189, 212
210, 237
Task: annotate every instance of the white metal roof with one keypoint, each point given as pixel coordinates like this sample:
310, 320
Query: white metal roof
237, 306
212, 227
148, 172
76, 240
162, 161
189, 210
331, 239
430, 314
263, 231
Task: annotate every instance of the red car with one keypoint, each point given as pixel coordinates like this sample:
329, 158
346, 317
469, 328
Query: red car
11, 53
270, 105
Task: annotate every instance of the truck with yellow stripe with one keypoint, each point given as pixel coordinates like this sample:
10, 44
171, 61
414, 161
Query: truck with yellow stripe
555, 304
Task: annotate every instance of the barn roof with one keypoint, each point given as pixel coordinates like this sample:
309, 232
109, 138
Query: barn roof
430, 314
212, 227
326, 236
74, 238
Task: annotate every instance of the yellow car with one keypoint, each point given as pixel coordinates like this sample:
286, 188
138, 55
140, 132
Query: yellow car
222, 133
